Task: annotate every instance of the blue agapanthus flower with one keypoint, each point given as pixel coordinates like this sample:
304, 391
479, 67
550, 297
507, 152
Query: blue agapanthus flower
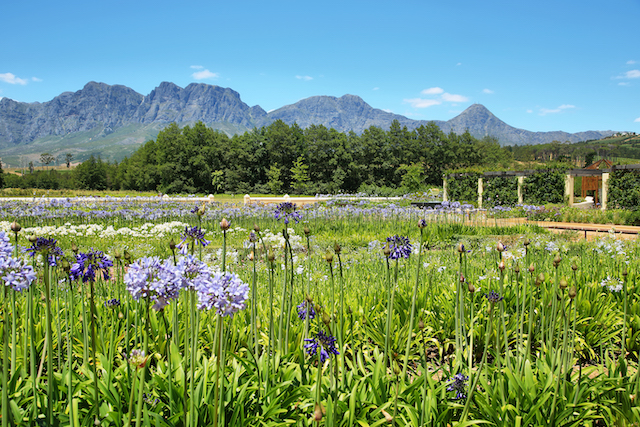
48, 248
226, 293
302, 311
398, 246
493, 297
322, 342
287, 211
89, 264
193, 273
459, 385
192, 237
154, 279
16, 273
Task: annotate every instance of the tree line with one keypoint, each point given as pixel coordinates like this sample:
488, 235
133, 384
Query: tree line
282, 158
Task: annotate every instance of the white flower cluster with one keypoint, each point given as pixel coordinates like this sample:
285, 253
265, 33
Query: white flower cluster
147, 230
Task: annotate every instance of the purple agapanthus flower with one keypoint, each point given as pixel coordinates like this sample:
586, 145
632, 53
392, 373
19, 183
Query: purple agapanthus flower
459, 385
192, 236
153, 279
226, 293
192, 273
287, 211
16, 273
398, 246
302, 311
325, 343
493, 297
48, 248
88, 264
6, 248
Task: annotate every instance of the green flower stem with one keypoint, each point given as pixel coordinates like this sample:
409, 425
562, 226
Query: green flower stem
504, 323
49, 338
219, 365
93, 348
5, 360
147, 332
413, 307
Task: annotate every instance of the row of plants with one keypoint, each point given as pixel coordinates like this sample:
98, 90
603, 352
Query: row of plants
294, 318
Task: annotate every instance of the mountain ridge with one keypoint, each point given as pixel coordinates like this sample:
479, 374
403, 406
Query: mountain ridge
101, 110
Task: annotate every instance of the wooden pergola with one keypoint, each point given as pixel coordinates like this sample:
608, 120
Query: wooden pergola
593, 183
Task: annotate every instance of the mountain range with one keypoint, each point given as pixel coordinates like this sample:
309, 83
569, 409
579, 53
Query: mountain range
113, 120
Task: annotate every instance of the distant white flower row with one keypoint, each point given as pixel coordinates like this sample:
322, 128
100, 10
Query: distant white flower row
146, 231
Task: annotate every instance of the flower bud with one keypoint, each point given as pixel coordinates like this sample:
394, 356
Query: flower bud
15, 227
574, 266
326, 319
500, 247
127, 255
556, 260
540, 279
461, 248
328, 257
516, 269
251, 256
532, 268
271, 257
501, 266
572, 292
256, 228
200, 211
421, 324
526, 242
337, 248
318, 412
224, 224
563, 283
74, 248
117, 255
422, 223
386, 251
462, 278
172, 245
625, 272
306, 231
32, 239
472, 287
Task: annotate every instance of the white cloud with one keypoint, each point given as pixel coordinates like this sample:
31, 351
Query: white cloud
632, 74
197, 67
545, 111
623, 84
529, 111
204, 74
487, 91
631, 62
432, 91
635, 121
305, 78
449, 97
422, 103
12, 79
376, 88
35, 79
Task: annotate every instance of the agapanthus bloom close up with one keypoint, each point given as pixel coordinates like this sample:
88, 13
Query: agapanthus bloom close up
16, 273
154, 279
192, 236
322, 342
398, 246
287, 211
47, 248
302, 310
88, 264
459, 384
226, 293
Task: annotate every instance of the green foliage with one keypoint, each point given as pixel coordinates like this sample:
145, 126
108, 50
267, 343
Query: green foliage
624, 189
91, 174
463, 187
500, 191
274, 182
412, 177
299, 175
544, 186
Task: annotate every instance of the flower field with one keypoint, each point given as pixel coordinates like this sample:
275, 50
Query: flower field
122, 312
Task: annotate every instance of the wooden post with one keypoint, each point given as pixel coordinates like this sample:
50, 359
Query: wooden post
520, 183
480, 191
568, 189
445, 196
604, 192
247, 199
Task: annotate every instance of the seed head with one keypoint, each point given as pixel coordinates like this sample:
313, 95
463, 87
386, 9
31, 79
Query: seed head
224, 224
563, 283
15, 227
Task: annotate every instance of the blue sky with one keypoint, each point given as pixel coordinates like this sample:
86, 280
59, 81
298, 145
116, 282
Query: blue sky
540, 66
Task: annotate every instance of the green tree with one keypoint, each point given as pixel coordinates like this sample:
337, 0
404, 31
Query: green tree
274, 182
300, 175
47, 158
91, 174
67, 158
412, 177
